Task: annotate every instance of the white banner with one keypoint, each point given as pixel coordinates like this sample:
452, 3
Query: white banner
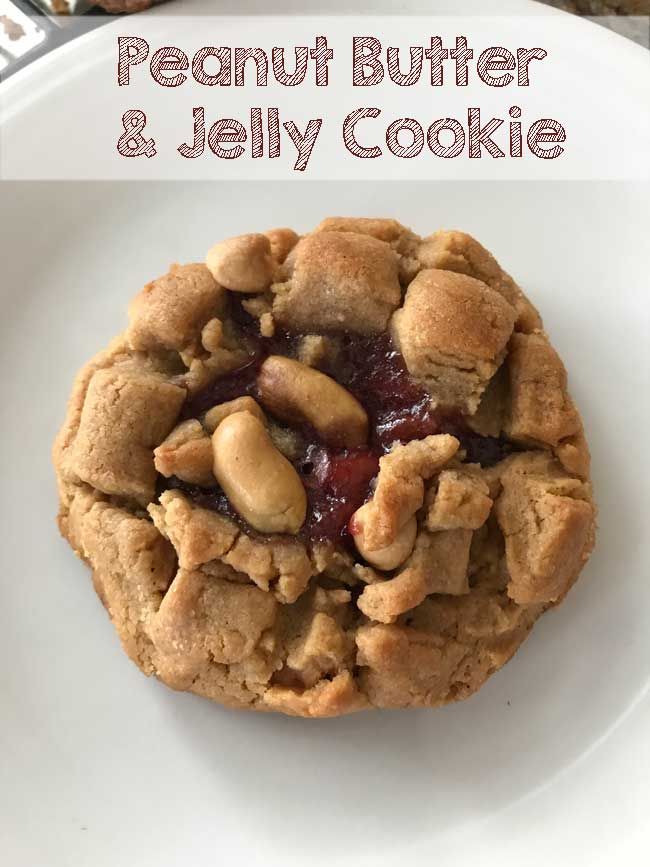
147, 97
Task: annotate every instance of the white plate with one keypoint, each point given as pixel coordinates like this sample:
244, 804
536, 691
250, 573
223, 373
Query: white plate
102, 767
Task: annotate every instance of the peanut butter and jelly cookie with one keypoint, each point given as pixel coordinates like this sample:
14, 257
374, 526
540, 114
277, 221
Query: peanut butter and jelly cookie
328, 473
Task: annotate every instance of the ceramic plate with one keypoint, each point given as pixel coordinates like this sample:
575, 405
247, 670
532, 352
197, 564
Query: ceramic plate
102, 767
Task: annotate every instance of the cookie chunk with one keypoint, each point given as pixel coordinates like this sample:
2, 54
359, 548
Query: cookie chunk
453, 331
404, 242
198, 535
547, 519
201, 536
541, 410
438, 564
460, 501
328, 473
573, 453
186, 453
459, 252
204, 621
440, 652
338, 281
132, 567
126, 414
170, 312
400, 486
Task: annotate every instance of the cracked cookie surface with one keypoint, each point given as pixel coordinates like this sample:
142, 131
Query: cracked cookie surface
328, 473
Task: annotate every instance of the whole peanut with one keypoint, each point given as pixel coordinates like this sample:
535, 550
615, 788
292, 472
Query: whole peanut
216, 415
242, 264
392, 555
260, 483
299, 394
282, 242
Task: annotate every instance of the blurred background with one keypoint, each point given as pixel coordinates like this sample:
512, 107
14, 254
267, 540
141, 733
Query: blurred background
31, 28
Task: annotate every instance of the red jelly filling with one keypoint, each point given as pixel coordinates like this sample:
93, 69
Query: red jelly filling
398, 408
339, 481
336, 482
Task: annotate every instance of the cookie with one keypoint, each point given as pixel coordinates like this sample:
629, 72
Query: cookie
328, 473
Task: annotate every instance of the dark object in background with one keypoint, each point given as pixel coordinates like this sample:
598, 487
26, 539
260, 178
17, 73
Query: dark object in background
31, 28
125, 5
603, 7
581, 7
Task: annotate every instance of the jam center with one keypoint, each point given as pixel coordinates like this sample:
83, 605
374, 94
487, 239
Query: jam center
338, 481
